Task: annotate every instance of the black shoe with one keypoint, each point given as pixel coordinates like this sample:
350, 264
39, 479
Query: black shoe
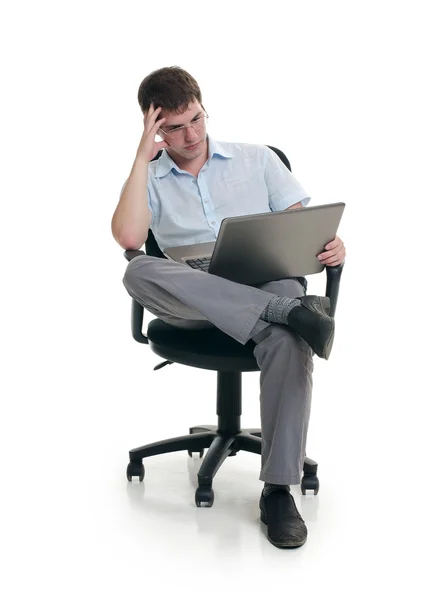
286, 528
312, 322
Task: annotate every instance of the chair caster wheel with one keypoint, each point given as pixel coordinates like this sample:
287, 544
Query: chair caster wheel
204, 496
201, 451
135, 469
310, 482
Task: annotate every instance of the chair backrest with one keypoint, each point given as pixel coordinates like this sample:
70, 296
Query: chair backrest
153, 249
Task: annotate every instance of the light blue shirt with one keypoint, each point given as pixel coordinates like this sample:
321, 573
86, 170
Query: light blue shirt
237, 179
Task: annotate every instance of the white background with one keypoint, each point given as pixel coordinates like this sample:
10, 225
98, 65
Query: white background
344, 89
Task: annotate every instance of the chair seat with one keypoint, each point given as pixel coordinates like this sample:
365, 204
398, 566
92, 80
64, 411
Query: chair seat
202, 348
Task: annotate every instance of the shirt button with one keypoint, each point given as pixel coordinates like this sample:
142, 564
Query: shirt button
212, 222
206, 201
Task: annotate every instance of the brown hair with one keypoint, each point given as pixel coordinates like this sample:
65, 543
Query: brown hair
172, 88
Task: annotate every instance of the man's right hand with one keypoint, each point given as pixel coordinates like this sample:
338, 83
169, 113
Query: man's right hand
148, 147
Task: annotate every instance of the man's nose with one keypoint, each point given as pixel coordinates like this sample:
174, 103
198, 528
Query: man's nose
190, 133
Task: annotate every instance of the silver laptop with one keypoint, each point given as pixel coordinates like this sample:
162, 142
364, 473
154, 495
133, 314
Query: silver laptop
254, 249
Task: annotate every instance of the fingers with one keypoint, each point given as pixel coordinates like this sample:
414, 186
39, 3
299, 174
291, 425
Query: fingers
334, 243
152, 131
332, 262
332, 258
158, 125
334, 255
151, 111
331, 253
150, 118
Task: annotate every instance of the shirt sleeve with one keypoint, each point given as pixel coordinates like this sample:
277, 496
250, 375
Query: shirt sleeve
283, 188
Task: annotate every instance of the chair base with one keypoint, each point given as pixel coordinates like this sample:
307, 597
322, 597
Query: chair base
220, 445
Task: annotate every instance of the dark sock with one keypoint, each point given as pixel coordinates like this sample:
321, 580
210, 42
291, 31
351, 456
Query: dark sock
272, 487
278, 309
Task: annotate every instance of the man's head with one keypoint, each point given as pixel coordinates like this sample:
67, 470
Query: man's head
180, 98
172, 88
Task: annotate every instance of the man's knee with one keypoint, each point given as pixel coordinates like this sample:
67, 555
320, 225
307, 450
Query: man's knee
290, 288
137, 270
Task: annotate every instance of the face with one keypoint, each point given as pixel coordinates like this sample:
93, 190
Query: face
190, 141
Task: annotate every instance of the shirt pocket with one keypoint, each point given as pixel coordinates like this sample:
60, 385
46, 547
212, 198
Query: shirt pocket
240, 189
236, 185
234, 196
243, 197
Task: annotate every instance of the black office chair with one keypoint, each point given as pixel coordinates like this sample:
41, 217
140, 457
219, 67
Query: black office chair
213, 350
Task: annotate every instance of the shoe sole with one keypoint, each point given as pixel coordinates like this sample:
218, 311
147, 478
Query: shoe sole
329, 343
324, 303
288, 545
324, 309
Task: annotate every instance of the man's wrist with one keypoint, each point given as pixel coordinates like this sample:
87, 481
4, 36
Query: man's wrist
141, 162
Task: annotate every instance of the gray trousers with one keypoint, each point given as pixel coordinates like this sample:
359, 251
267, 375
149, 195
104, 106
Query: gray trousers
189, 298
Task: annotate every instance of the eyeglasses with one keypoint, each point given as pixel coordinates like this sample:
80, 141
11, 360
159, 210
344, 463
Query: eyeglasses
178, 131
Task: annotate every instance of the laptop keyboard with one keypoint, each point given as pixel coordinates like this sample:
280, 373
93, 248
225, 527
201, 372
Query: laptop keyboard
199, 263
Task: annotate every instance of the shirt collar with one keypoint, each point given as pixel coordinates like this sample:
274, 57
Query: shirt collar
166, 164
215, 147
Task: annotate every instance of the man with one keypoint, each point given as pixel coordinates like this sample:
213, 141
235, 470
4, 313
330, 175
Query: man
183, 197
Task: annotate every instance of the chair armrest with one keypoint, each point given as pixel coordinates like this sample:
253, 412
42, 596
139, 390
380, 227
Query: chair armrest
130, 254
332, 288
136, 308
